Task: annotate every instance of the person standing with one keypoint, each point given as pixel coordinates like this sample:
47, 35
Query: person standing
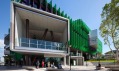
43, 64
37, 64
52, 65
21, 62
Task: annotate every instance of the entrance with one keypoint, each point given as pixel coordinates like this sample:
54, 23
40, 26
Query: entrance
30, 60
34, 59
54, 60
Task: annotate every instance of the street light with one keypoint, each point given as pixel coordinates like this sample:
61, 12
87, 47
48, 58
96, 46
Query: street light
86, 60
70, 55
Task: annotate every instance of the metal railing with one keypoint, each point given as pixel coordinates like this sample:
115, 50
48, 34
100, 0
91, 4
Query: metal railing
33, 43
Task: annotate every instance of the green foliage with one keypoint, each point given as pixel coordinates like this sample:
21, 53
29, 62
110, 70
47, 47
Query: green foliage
109, 27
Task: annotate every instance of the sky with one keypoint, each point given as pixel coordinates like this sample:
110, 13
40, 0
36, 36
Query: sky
87, 10
4, 23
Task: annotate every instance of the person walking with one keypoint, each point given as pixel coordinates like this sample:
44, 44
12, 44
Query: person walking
37, 64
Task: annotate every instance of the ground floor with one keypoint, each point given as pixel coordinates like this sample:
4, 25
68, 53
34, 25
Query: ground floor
29, 59
71, 56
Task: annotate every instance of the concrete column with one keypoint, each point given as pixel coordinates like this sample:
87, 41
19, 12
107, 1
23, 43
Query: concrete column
27, 28
82, 60
29, 60
26, 60
69, 55
81, 53
69, 60
65, 60
77, 58
68, 50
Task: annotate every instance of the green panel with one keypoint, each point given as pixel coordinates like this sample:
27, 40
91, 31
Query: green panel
17, 56
50, 6
65, 15
62, 14
43, 4
58, 11
54, 9
79, 36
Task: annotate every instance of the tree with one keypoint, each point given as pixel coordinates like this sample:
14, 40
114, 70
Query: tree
109, 28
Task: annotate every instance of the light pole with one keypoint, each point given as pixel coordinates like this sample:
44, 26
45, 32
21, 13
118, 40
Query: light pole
86, 60
70, 55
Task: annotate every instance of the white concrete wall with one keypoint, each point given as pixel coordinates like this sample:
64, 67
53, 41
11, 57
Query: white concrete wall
18, 29
12, 28
65, 35
24, 28
39, 35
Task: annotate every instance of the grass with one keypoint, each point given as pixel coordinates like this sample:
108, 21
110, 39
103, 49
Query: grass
102, 60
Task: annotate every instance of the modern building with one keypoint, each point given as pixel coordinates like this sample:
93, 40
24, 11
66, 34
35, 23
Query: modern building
40, 31
111, 54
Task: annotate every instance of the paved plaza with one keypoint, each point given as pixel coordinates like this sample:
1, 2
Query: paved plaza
66, 68
90, 67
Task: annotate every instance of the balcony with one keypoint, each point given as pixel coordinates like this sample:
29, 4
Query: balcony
6, 46
6, 52
6, 39
41, 44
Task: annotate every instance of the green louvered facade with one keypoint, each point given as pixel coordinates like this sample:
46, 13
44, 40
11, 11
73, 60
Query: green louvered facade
79, 31
79, 35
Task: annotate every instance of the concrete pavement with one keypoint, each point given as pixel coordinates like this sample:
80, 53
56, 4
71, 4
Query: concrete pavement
66, 68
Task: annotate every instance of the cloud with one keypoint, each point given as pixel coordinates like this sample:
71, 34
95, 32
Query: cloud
1, 49
1, 43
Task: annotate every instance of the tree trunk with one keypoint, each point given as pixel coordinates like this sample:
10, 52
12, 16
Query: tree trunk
117, 55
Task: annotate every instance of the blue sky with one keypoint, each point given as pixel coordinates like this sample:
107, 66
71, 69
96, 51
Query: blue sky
87, 10
4, 22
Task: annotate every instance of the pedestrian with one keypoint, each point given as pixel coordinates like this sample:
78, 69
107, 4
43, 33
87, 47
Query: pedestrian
98, 67
59, 66
52, 65
21, 62
48, 64
43, 64
37, 64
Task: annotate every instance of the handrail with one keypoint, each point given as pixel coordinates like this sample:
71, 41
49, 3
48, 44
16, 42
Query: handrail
33, 43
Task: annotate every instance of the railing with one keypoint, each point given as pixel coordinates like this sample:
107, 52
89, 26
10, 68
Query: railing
33, 43
74, 54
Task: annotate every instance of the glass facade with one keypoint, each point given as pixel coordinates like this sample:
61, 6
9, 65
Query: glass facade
34, 43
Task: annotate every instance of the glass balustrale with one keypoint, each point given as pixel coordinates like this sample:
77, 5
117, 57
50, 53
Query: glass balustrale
33, 43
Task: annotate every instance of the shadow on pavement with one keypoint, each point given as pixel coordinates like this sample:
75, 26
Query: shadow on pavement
10, 67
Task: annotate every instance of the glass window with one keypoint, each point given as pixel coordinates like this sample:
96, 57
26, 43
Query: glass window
33, 41
33, 45
41, 46
48, 47
48, 43
24, 45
